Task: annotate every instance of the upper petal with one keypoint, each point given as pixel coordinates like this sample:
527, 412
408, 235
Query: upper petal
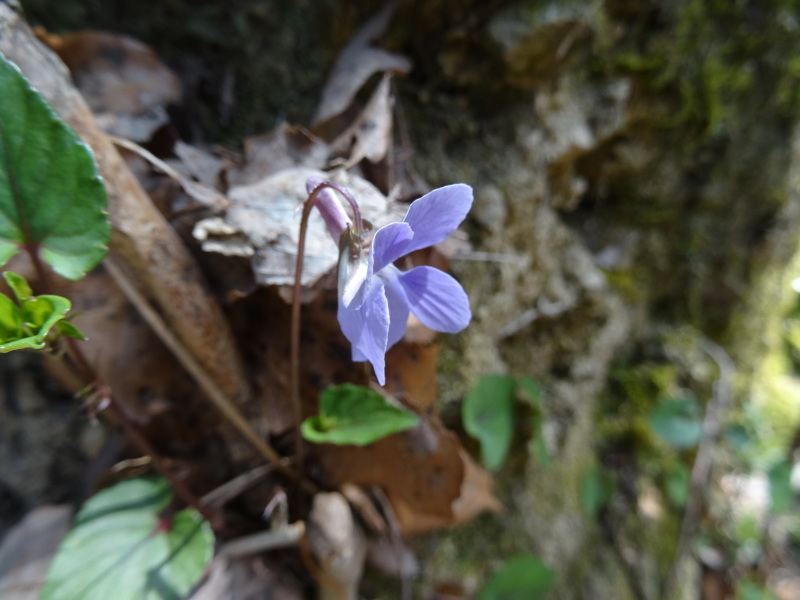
436, 215
389, 244
436, 299
367, 328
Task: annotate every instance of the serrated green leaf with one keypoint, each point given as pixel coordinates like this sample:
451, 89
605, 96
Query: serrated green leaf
121, 548
18, 285
677, 421
351, 414
51, 197
488, 416
523, 577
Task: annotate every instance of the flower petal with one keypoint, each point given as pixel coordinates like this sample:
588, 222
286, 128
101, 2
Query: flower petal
398, 309
367, 328
389, 244
436, 299
437, 214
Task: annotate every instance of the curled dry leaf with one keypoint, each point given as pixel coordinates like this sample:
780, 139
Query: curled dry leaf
370, 136
267, 215
357, 62
198, 163
124, 83
286, 147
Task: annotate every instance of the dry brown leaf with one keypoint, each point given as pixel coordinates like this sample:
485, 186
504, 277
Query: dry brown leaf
411, 374
370, 136
420, 470
27, 550
476, 492
124, 83
357, 62
286, 147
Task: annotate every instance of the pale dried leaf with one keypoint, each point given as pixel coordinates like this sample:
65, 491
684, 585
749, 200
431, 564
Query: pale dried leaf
267, 214
370, 136
27, 550
201, 165
357, 62
286, 147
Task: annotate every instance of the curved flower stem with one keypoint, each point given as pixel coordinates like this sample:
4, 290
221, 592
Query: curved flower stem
294, 332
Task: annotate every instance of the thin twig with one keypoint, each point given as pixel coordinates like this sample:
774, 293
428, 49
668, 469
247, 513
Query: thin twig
720, 399
230, 489
289, 535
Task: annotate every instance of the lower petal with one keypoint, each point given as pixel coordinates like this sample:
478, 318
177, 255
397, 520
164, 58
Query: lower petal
436, 299
398, 310
367, 328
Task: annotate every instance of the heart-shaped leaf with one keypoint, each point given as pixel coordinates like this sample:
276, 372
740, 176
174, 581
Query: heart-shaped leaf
51, 199
523, 577
351, 414
677, 421
122, 548
488, 416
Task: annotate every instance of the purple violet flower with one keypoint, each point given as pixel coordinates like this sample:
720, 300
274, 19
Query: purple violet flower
375, 297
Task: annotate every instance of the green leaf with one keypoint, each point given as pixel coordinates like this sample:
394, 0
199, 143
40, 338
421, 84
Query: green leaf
51, 197
10, 321
781, 494
351, 414
677, 485
121, 548
488, 416
749, 590
523, 577
677, 421
597, 487
69, 330
26, 325
18, 285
